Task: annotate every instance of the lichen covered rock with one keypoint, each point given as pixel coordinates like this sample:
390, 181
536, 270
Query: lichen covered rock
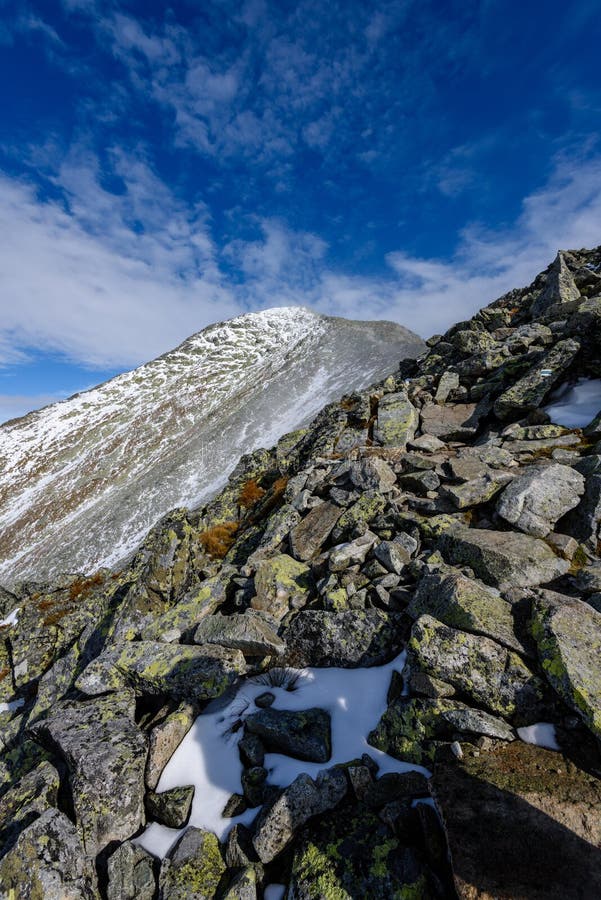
539, 496
349, 638
568, 638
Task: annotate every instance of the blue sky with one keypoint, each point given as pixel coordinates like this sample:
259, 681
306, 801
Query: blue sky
164, 166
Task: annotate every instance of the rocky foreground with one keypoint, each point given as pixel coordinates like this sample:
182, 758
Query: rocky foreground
438, 511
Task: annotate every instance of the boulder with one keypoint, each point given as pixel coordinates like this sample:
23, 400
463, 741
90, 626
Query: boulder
165, 738
243, 885
26, 800
520, 821
583, 522
393, 556
303, 734
181, 671
352, 553
281, 584
479, 490
293, 807
452, 422
397, 420
48, 862
355, 520
503, 559
529, 392
171, 808
411, 729
308, 537
539, 496
568, 637
467, 604
481, 669
559, 288
357, 855
130, 873
248, 632
372, 474
105, 754
193, 869
349, 638
181, 620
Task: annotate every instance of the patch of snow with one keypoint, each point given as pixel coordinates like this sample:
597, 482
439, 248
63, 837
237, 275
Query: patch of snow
11, 619
11, 705
274, 892
208, 756
542, 734
574, 406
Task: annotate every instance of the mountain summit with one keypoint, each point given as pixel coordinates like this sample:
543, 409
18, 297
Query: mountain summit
82, 481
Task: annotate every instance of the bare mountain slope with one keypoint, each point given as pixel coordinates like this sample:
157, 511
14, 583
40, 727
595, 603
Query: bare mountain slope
82, 481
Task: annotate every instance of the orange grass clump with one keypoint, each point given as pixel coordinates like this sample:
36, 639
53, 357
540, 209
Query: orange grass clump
216, 541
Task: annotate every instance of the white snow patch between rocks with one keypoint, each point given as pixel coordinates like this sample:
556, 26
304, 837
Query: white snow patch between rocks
11, 706
274, 892
574, 406
208, 756
11, 619
542, 734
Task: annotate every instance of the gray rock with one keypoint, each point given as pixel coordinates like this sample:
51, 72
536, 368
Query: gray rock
193, 869
248, 632
164, 740
352, 553
453, 422
243, 885
480, 490
449, 381
277, 529
481, 669
131, 874
413, 728
588, 580
308, 537
530, 391
393, 556
105, 754
296, 804
48, 862
304, 734
467, 604
568, 637
372, 474
520, 821
419, 483
26, 800
281, 584
397, 420
427, 443
583, 522
502, 559
539, 496
348, 639
171, 808
559, 287
181, 620
181, 671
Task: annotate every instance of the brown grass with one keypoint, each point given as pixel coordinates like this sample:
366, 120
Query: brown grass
82, 586
55, 617
250, 494
216, 541
3, 673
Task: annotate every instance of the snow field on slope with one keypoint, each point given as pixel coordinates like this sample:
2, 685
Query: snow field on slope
575, 406
208, 756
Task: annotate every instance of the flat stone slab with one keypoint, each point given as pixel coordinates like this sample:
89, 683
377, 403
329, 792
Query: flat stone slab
348, 639
539, 496
521, 822
303, 734
503, 559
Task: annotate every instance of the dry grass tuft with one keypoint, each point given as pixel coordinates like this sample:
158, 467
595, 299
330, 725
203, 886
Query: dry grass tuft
216, 541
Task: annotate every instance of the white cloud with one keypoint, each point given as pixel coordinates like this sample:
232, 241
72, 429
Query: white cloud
113, 280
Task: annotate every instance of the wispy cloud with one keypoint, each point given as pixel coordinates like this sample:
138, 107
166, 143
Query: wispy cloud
151, 275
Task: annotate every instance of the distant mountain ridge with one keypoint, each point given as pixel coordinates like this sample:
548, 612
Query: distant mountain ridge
82, 481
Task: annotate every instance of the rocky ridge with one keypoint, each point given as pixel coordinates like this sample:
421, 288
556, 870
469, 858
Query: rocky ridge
439, 511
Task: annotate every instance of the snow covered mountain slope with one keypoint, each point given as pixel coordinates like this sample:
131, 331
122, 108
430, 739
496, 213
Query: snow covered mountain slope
82, 481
